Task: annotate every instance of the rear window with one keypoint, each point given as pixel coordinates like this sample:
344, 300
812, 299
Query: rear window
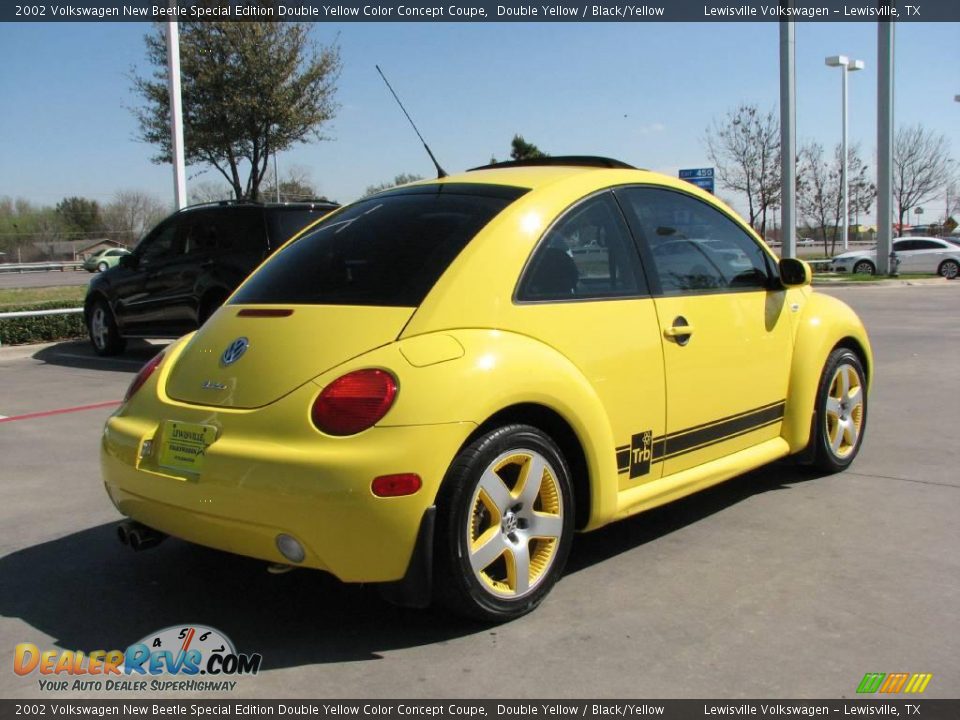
387, 250
284, 223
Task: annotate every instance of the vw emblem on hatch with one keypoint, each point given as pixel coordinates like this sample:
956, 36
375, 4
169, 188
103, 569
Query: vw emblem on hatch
235, 351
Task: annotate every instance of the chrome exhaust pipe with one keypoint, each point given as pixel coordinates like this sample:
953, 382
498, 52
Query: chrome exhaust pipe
139, 537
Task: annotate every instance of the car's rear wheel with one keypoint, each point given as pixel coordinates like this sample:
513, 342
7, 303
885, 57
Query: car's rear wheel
841, 411
102, 267
505, 524
949, 269
864, 267
102, 327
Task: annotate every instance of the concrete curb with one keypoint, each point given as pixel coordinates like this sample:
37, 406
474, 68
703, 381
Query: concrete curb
889, 282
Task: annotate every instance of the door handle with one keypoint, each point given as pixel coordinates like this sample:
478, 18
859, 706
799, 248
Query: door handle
680, 331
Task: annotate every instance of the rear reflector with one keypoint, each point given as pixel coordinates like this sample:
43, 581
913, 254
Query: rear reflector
265, 312
396, 485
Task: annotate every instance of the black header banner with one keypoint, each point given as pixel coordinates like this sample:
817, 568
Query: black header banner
484, 11
917, 708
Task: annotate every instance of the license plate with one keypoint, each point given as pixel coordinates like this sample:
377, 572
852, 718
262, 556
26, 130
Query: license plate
184, 445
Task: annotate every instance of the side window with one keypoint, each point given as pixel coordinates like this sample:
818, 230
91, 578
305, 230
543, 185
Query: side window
904, 245
587, 254
159, 245
927, 245
241, 230
695, 247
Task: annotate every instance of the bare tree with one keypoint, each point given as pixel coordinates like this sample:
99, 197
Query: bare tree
209, 191
296, 185
131, 214
819, 193
920, 168
744, 146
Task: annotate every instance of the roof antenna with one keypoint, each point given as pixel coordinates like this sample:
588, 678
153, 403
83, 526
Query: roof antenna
441, 173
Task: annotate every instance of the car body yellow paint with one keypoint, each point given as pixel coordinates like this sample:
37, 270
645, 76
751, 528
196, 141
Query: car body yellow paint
741, 393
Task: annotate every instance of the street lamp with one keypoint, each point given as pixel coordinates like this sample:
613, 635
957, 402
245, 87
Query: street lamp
848, 65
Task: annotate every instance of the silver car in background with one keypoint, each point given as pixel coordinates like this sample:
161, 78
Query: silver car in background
916, 255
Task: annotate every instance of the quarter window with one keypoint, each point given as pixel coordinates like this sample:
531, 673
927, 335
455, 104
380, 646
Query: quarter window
694, 247
587, 254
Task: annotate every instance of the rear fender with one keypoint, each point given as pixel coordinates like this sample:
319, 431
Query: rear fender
469, 375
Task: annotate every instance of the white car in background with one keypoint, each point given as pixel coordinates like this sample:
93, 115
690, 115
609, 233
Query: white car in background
916, 255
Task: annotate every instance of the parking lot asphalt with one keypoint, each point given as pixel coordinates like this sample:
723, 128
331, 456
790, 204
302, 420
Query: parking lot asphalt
777, 584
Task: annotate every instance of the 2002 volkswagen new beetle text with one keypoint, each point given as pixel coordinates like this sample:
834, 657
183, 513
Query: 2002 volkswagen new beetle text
435, 387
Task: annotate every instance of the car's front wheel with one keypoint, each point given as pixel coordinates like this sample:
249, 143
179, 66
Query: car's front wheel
864, 267
102, 327
103, 267
505, 524
949, 269
841, 411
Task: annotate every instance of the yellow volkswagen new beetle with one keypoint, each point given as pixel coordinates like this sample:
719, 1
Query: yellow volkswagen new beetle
435, 387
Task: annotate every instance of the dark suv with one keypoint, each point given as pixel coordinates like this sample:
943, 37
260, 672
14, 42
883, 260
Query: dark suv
184, 269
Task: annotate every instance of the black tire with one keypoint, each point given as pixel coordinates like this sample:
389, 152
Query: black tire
864, 267
834, 446
489, 592
949, 269
102, 267
102, 328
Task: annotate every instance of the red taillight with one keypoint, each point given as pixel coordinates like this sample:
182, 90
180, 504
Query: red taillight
354, 402
145, 372
396, 485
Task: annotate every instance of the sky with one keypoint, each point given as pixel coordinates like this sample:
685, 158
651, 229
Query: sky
642, 93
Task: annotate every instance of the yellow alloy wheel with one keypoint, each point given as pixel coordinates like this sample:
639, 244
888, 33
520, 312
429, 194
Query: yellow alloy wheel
515, 523
844, 411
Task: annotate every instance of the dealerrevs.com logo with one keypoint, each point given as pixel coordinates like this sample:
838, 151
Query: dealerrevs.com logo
181, 654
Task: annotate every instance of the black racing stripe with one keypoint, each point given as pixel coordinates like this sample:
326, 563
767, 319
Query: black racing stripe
723, 439
697, 437
728, 418
694, 439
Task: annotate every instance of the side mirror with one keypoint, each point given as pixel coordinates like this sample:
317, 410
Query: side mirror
794, 273
128, 261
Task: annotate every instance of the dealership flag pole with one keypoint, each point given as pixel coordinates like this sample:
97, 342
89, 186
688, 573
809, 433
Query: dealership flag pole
176, 114
788, 142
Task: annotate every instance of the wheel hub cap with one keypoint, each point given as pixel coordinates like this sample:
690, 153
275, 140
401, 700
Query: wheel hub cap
510, 523
515, 523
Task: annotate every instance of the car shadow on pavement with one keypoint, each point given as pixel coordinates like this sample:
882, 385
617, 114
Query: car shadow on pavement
79, 354
89, 592
619, 537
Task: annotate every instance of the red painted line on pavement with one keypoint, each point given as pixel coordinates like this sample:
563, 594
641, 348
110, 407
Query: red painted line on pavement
61, 411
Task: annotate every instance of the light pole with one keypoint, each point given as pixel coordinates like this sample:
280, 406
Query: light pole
848, 66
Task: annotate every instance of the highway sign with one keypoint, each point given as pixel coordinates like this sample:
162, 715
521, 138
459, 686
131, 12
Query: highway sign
701, 177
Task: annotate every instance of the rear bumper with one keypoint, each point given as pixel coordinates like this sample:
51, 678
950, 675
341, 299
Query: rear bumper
252, 487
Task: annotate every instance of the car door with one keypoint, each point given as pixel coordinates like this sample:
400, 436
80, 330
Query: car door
584, 294
924, 256
725, 333
129, 285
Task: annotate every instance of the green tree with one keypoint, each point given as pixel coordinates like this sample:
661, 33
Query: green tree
79, 217
401, 179
520, 149
249, 89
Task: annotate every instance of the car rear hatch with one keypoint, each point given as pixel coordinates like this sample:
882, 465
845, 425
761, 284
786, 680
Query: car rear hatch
248, 357
347, 286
